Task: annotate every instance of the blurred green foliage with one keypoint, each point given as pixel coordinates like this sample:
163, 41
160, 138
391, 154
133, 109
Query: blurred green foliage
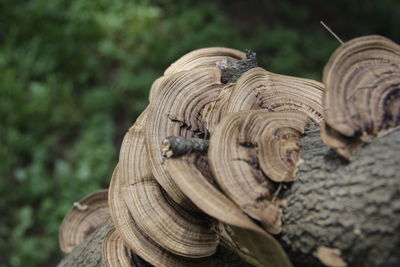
75, 74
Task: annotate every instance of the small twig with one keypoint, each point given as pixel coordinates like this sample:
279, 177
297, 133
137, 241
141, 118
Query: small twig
276, 193
175, 146
331, 32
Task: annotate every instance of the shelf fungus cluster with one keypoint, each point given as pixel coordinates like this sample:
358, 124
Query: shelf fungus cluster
209, 159
210, 155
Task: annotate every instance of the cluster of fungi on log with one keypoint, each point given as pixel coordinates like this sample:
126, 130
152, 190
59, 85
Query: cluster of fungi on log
210, 159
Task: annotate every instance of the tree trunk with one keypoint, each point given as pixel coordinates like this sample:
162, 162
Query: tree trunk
350, 206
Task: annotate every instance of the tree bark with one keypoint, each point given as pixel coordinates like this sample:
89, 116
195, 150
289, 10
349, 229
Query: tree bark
350, 206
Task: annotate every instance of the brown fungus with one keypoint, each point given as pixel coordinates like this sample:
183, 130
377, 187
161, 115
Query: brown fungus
82, 219
204, 57
191, 174
177, 99
156, 202
114, 252
137, 240
169, 225
187, 233
214, 111
362, 99
175, 112
260, 89
250, 152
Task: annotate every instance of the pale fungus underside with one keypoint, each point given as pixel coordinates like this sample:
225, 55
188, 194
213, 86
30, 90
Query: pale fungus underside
209, 160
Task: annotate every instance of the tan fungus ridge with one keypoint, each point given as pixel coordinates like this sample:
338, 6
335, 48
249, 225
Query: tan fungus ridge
251, 149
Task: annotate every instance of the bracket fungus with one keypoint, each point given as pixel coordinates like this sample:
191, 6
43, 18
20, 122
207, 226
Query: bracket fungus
134, 238
261, 89
188, 233
250, 152
169, 225
142, 206
175, 112
192, 175
82, 219
363, 92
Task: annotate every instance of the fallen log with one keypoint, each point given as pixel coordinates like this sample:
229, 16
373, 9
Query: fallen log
353, 207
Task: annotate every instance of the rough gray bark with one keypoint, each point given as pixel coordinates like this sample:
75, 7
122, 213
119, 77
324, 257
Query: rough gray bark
231, 71
352, 206
88, 253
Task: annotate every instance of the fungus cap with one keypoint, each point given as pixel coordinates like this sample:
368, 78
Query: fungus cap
362, 99
82, 219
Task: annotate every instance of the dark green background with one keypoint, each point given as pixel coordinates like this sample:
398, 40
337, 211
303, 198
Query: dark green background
74, 74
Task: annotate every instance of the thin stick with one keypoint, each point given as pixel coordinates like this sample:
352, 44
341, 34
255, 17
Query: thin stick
175, 146
331, 32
